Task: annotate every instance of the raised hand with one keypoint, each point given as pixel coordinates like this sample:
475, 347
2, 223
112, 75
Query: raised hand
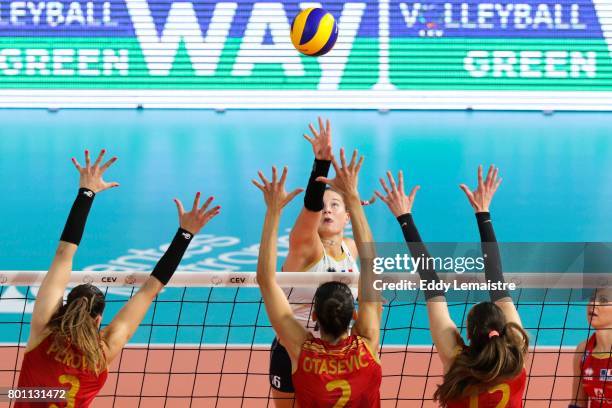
274, 192
345, 181
194, 220
90, 176
322, 141
396, 199
480, 199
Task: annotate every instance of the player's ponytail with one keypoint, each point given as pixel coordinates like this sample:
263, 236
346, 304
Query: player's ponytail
74, 325
496, 352
334, 306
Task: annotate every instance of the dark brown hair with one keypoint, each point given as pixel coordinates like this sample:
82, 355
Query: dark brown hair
334, 306
487, 360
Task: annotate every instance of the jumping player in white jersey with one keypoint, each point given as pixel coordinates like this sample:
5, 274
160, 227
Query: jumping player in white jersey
316, 244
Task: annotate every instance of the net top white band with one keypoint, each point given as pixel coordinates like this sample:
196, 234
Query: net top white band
531, 280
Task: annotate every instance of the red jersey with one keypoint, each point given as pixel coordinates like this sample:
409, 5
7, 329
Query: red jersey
596, 377
48, 366
507, 394
340, 375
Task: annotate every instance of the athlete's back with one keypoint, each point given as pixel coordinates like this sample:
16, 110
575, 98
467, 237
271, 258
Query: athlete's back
48, 365
507, 394
344, 374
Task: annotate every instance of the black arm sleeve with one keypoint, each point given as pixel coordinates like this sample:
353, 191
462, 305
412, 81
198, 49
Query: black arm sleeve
167, 264
417, 249
75, 224
313, 198
492, 257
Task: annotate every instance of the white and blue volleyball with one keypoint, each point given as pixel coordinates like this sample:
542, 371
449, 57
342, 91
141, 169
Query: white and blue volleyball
314, 32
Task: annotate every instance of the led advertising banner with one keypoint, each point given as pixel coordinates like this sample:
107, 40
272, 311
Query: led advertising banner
445, 54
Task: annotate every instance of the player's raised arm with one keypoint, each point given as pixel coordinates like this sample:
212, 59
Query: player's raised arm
50, 295
370, 307
443, 329
304, 241
125, 323
287, 328
480, 200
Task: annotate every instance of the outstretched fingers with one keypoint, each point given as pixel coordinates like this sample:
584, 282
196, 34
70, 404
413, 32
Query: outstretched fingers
342, 158
196, 202
256, 184
497, 183
263, 178
310, 139
337, 167
359, 163
206, 204
413, 192
489, 179
283, 177
212, 213
382, 197
76, 164
321, 126
391, 181
109, 163
353, 159
469, 194
384, 186
494, 179
100, 157
400, 180
179, 207
313, 131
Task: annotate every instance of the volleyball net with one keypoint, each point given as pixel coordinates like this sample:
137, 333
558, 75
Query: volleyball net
205, 340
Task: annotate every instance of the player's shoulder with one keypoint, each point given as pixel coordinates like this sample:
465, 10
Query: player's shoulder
581, 347
581, 353
587, 345
35, 342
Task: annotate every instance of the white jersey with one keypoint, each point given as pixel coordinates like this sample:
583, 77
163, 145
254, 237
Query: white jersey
301, 298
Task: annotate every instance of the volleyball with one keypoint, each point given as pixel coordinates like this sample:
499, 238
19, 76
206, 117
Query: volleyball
314, 32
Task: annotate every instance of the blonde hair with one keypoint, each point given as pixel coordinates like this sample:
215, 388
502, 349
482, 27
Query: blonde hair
74, 325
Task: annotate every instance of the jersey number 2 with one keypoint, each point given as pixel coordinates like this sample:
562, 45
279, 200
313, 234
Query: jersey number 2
345, 387
504, 388
74, 384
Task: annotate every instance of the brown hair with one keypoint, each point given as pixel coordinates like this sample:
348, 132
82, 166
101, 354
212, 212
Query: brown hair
74, 325
487, 360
